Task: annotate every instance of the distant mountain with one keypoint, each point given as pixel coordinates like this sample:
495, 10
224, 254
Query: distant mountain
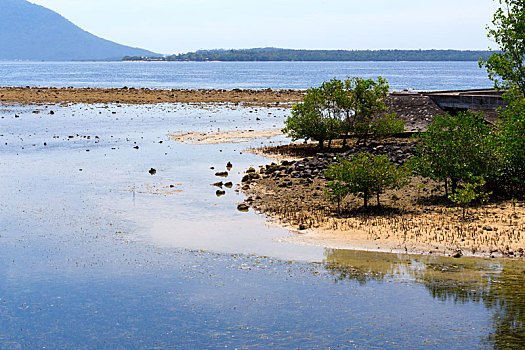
33, 32
276, 54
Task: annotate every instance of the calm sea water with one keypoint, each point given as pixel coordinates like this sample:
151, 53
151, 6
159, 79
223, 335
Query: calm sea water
96, 253
229, 75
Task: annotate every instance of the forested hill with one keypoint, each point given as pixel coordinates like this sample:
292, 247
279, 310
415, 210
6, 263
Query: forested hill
274, 54
33, 32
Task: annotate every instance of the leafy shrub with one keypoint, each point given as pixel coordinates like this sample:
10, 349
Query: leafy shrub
365, 109
467, 194
310, 119
512, 134
314, 118
458, 148
365, 175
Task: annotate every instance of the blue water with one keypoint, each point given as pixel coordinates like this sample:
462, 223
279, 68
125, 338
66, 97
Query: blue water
229, 75
87, 263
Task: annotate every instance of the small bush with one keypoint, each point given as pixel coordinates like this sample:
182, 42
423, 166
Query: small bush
469, 193
364, 175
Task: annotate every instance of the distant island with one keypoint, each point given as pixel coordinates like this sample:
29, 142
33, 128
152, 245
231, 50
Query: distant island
35, 33
277, 54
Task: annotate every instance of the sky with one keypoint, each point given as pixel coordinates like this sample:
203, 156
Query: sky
177, 26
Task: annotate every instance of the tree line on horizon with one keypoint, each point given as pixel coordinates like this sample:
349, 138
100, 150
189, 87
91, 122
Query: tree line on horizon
276, 54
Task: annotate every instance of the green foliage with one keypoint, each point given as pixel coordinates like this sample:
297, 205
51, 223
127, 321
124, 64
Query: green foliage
315, 118
276, 54
365, 109
507, 67
458, 148
336, 191
512, 133
365, 175
353, 106
386, 126
467, 194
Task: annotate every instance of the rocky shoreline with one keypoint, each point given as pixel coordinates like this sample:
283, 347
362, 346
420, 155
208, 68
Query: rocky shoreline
311, 167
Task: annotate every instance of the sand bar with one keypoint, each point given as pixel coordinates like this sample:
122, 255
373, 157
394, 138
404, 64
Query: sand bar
213, 138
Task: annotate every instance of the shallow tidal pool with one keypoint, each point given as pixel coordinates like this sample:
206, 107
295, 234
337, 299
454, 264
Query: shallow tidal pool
95, 252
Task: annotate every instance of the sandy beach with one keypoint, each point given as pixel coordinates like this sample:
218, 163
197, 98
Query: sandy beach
213, 138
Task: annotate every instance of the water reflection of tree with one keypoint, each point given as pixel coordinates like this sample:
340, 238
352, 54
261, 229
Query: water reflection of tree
500, 287
507, 297
359, 274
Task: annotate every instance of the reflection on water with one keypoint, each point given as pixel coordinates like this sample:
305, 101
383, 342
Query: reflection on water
497, 284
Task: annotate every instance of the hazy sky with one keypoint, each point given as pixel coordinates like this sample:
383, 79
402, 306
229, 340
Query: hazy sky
174, 26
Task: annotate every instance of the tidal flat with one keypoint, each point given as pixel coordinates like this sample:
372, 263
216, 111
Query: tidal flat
98, 251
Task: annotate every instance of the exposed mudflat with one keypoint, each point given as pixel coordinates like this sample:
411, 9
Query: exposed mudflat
39, 95
412, 219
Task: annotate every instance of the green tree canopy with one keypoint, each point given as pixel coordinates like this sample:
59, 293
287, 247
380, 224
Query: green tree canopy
314, 118
353, 106
458, 148
507, 67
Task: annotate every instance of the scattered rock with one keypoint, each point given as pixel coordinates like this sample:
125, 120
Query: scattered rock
457, 254
218, 184
220, 193
243, 207
228, 184
222, 174
153, 171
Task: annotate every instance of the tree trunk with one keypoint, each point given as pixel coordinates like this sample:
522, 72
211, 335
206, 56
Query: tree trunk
347, 128
321, 144
454, 185
378, 203
329, 143
365, 196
